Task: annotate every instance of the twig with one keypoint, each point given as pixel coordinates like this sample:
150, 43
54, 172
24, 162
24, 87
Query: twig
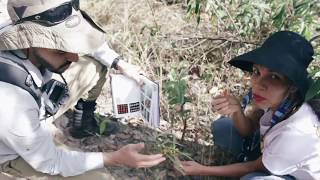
153, 13
314, 38
229, 40
197, 44
217, 39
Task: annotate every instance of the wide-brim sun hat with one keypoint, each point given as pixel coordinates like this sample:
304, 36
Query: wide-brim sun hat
76, 33
285, 52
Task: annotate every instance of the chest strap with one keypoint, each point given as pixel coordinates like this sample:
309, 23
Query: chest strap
14, 74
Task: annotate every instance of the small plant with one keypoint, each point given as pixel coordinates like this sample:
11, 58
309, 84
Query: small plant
167, 145
102, 122
176, 90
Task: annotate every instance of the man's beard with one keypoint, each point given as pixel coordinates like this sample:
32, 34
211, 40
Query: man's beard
44, 64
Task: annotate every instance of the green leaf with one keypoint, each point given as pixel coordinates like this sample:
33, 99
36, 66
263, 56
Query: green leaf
278, 19
102, 127
317, 74
197, 7
176, 88
302, 8
198, 19
313, 90
189, 8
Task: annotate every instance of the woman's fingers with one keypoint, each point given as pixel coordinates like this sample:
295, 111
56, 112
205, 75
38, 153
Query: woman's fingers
221, 105
228, 110
218, 100
225, 105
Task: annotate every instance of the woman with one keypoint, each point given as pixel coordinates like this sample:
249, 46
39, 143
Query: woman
289, 128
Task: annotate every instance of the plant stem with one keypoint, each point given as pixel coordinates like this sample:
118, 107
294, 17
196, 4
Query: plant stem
184, 119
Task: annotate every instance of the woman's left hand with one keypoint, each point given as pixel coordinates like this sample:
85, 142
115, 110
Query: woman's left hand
192, 168
226, 104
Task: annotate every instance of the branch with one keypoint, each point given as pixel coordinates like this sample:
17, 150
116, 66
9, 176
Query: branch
225, 39
314, 38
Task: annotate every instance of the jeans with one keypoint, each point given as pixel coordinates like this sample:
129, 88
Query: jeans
227, 137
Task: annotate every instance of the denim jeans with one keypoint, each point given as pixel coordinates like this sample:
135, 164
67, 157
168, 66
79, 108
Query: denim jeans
227, 137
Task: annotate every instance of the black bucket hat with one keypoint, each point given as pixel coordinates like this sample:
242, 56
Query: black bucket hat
285, 52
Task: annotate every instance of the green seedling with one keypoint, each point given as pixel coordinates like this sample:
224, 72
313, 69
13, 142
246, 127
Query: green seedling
176, 90
167, 145
102, 122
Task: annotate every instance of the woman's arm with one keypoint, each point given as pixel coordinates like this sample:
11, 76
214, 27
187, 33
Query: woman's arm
242, 123
232, 170
247, 123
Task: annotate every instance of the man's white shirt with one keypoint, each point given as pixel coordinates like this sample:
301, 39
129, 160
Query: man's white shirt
23, 134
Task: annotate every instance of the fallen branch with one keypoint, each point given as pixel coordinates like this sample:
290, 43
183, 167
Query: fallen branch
225, 39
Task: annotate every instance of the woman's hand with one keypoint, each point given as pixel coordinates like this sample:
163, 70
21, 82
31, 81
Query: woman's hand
226, 104
129, 156
192, 168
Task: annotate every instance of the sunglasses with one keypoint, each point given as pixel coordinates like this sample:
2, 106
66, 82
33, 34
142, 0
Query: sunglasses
53, 16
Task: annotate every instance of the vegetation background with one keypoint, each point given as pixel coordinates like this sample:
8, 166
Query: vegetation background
184, 45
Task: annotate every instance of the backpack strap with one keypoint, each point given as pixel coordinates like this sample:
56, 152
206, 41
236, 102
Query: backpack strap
15, 74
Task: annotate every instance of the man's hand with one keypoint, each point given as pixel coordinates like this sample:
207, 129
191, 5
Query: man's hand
129, 156
131, 71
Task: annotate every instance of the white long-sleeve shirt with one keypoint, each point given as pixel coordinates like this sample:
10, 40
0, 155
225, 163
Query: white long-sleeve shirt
23, 134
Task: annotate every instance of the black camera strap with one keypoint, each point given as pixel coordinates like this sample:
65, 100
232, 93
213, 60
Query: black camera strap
54, 93
15, 74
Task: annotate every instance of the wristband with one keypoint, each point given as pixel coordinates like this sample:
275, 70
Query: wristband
114, 64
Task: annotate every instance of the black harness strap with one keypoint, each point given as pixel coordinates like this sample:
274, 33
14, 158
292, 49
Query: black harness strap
15, 75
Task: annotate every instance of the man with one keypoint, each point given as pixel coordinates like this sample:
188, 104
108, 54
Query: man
44, 37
